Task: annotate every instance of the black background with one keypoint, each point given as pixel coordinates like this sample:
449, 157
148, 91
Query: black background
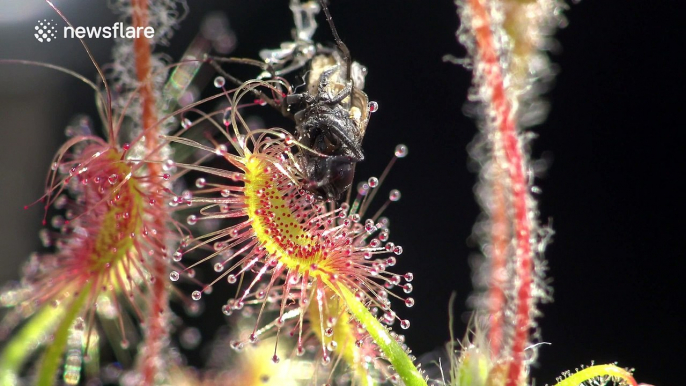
613, 133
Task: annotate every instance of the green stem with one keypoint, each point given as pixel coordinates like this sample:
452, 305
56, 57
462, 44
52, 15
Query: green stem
53, 355
347, 349
391, 348
25, 342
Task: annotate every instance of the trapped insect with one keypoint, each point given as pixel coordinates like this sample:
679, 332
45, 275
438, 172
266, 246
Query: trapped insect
333, 119
332, 114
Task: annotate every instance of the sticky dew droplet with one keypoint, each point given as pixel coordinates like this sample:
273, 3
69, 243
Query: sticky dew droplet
394, 195
373, 107
401, 151
186, 123
219, 82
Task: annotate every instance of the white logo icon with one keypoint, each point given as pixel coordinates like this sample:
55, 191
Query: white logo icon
45, 31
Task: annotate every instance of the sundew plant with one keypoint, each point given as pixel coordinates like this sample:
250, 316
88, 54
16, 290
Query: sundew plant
223, 215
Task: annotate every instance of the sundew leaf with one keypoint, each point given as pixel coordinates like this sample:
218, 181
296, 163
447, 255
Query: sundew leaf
600, 374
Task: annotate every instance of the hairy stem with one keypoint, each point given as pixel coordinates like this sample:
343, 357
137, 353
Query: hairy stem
505, 137
158, 297
500, 236
142, 48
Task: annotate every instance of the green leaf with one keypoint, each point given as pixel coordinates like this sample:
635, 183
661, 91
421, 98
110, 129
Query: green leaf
53, 355
26, 341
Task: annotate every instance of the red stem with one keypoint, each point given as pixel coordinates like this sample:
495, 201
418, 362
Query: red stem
500, 237
155, 318
514, 166
141, 47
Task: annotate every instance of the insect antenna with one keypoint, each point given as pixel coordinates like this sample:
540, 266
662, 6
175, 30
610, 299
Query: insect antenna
341, 46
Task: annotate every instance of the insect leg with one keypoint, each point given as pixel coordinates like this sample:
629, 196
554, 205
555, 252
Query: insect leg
341, 46
342, 94
342, 132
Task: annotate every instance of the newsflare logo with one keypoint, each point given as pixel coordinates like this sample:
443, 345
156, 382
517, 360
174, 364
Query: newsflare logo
46, 31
